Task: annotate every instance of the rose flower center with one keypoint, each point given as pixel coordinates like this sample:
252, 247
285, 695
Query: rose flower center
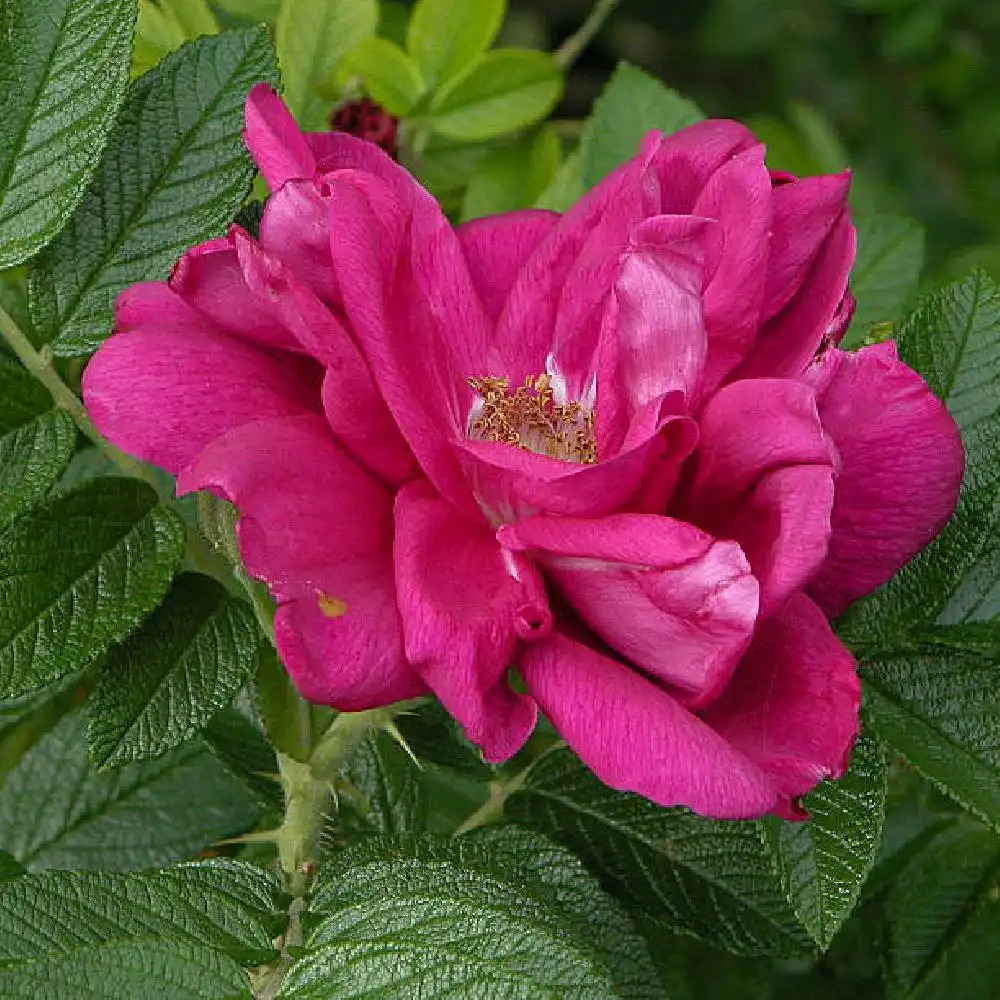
532, 419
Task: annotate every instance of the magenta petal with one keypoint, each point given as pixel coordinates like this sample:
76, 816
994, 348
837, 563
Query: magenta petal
463, 611
739, 196
214, 284
787, 343
274, 139
318, 530
902, 462
497, 246
637, 738
793, 704
164, 395
783, 527
670, 598
748, 429
805, 213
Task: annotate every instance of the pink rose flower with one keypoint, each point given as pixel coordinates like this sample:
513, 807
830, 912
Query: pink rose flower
615, 450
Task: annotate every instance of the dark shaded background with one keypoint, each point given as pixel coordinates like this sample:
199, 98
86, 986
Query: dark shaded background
905, 91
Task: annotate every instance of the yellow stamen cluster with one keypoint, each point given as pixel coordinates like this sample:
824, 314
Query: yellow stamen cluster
530, 418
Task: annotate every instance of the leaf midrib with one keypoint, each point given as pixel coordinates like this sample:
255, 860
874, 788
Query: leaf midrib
132, 219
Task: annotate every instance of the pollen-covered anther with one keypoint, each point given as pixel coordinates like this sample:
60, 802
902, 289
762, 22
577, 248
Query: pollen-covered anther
530, 418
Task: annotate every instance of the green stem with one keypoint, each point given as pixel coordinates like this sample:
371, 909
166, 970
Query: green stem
492, 809
575, 45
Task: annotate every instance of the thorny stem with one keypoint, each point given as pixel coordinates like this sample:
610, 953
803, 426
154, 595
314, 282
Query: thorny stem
492, 809
576, 44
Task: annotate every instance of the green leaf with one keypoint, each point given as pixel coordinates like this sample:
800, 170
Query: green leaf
713, 880
312, 38
513, 177
935, 699
175, 174
953, 339
434, 735
502, 91
168, 679
36, 442
387, 779
501, 913
566, 187
241, 746
63, 73
935, 899
631, 104
9, 868
78, 575
139, 969
389, 74
823, 863
886, 272
140, 816
225, 905
446, 36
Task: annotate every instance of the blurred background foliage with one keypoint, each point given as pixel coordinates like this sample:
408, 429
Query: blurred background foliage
904, 91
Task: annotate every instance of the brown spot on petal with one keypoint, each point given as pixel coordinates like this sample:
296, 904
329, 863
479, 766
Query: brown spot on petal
332, 607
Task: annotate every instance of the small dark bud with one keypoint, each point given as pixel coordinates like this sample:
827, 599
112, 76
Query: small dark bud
369, 121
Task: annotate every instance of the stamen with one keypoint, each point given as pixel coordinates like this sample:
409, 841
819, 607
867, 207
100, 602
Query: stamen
531, 419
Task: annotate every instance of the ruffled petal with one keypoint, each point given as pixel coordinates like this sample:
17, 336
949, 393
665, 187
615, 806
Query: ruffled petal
318, 530
637, 738
464, 608
163, 395
668, 597
496, 247
901, 469
274, 138
793, 704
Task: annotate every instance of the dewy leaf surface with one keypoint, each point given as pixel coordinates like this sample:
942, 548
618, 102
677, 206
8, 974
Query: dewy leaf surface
78, 575
165, 682
824, 862
56, 811
36, 442
63, 73
630, 105
175, 174
499, 913
713, 880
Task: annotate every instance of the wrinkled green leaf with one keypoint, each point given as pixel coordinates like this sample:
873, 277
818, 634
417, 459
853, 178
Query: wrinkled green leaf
386, 780
445, 36
312, 38
9, 867
502, 91
885, 274
63, 73
934, 901
631, 104
502, 912
175, 174
434, 735
713, 880
225, 905
78, 575
823, 863
140, 816
241, 746
168, 679
36, 442
935, 699
389, 74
